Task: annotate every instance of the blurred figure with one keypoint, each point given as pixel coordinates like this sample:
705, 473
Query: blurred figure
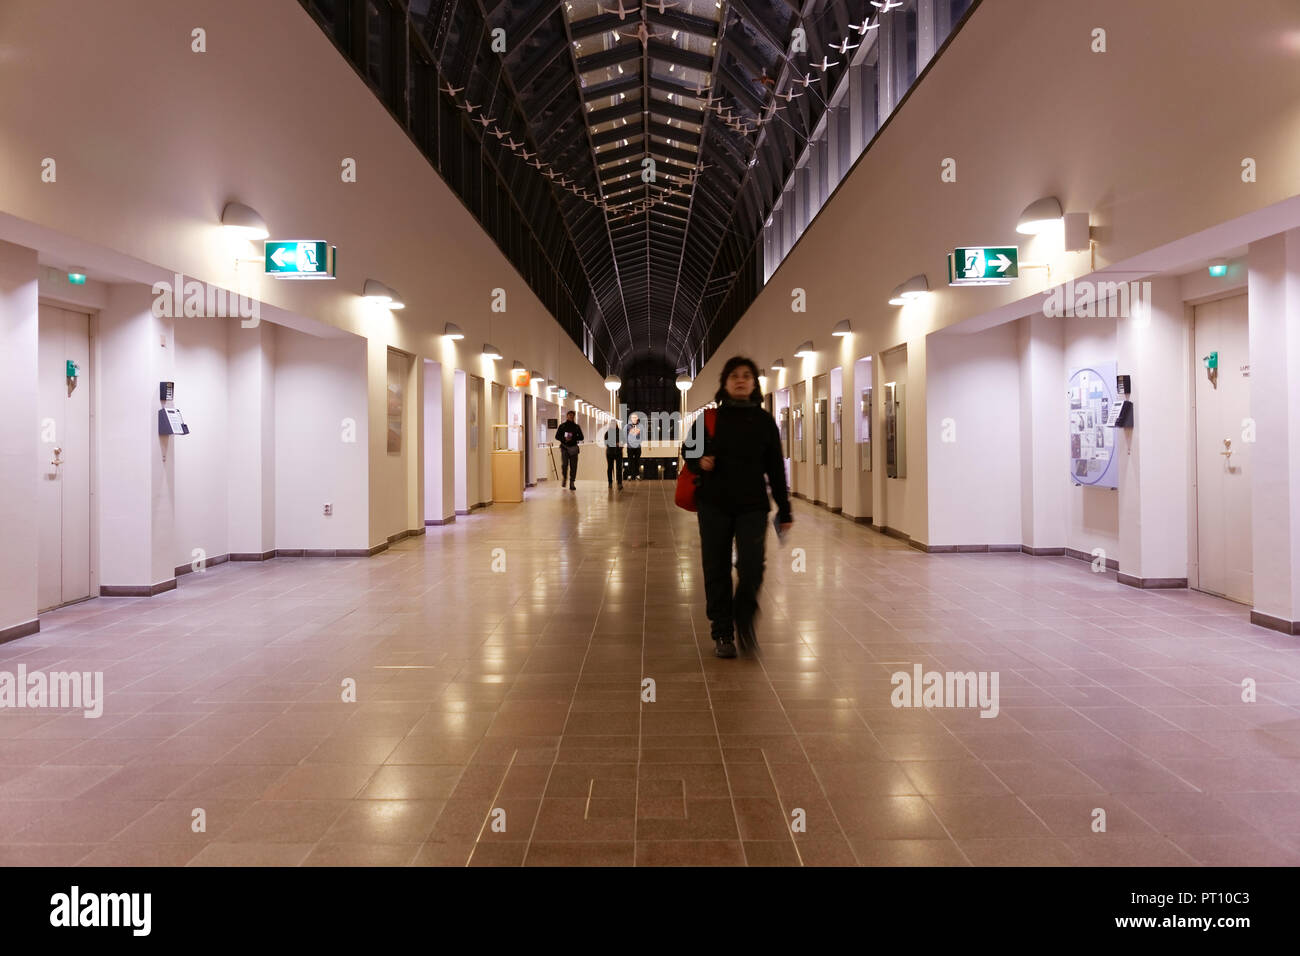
613, 442
732, 501
570, 436
634, 448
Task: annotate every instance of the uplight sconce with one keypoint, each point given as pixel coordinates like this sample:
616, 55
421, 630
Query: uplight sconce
244, 221
380, 294
911, 290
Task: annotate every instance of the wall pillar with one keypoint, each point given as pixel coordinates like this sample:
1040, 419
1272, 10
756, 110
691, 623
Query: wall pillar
20, 446
1274, 329
137, 466
1155, 454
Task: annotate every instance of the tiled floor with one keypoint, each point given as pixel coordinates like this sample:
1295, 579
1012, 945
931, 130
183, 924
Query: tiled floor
499, 717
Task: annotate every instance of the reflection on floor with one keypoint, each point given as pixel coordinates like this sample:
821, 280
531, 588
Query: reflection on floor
499, 717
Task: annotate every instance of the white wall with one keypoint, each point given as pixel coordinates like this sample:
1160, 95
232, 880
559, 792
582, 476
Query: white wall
318, 383
974, 400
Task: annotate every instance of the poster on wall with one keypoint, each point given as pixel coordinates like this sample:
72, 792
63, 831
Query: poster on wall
1091, 395
395, 375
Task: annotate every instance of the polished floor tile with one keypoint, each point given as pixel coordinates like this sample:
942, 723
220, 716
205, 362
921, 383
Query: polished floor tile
570, 712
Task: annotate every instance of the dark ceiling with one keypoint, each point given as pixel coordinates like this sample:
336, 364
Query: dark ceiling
640, 145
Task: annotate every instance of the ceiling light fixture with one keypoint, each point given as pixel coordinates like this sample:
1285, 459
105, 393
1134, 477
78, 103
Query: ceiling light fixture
805, 350
491, 351
452, 331
842, 329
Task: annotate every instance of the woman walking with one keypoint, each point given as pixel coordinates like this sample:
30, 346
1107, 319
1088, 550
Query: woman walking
732, 504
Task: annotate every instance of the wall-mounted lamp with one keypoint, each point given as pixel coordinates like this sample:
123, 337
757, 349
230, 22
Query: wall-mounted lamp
914, 288
778, 365
536, 376
805, 350
244, 221
490, 351
452, 331
380, 294
684, 382
841, 329
1038, 215
518, 366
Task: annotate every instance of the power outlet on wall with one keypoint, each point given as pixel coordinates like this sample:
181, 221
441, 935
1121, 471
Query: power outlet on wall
329, 509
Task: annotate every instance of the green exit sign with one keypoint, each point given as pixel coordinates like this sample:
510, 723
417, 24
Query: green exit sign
984, 265
300, 259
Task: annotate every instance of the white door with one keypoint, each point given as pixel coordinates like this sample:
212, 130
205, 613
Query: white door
63, 467
1224, 437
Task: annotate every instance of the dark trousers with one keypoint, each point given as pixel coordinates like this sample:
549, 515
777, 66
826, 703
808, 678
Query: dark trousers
568, 464
613, 459
717, 531
634, 463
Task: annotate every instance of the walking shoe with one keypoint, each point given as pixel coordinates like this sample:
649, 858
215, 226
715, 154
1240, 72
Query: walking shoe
746, 636
724, 649
572, 486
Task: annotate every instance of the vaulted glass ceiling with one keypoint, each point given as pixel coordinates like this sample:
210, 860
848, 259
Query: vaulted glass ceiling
640, 144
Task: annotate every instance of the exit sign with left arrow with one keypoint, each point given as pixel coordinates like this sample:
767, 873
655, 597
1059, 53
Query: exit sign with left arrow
984, 265
300, 259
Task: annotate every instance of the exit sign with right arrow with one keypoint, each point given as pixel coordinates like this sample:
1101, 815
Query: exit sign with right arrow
984, 265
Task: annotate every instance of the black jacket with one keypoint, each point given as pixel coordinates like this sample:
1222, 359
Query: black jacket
612, 437
746, 447
571, 431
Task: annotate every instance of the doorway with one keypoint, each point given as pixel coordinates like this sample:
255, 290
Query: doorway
1223, 444
63, 469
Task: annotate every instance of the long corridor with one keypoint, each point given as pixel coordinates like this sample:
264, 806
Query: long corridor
503, 670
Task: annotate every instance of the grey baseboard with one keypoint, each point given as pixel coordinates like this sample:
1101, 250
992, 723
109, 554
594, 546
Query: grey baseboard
893, 532
19, 630
1256, 617
440, 521
1133, 581
137, 590
209, 563
836, 511
1043, 552
1111, 563
252, 555
860, 519
460, 512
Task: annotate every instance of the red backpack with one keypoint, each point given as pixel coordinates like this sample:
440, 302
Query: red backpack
684, 496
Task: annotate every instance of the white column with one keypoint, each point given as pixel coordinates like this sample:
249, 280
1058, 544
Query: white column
1042, 445
136, 479
20, 446
1274, 321
250, 485
1155, 454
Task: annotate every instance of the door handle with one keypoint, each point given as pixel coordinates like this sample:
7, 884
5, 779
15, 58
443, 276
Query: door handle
57, 460
1227, 446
